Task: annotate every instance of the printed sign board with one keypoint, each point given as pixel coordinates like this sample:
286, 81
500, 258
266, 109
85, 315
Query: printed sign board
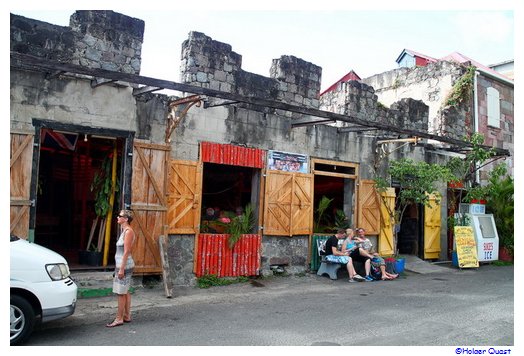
289, 162
466, 247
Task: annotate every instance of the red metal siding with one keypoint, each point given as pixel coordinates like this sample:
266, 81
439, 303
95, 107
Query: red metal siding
215, 257
232, 155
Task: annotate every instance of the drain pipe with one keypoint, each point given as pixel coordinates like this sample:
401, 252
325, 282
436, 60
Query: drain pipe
476, 117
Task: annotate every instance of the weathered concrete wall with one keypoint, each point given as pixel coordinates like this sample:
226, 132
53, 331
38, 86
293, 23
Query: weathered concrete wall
70, 101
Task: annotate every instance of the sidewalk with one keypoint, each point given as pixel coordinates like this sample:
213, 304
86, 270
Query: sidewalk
154, 296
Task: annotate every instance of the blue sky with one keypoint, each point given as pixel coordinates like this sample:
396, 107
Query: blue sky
339, 40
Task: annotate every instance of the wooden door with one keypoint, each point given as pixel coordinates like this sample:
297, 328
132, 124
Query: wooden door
184, 197
149, 203
288, 203
432, 225
386, 238
368, 214
20, 182
302, 205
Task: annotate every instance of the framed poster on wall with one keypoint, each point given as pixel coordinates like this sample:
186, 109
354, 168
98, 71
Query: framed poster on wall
288, 162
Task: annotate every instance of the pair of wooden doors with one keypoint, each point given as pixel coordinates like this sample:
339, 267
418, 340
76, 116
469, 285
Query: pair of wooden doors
148, 192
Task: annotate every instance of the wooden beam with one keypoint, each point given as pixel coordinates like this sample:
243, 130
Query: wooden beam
28, 62
144, 90
309, 120
355, 129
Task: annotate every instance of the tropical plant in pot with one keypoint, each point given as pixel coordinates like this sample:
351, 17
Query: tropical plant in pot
238, 225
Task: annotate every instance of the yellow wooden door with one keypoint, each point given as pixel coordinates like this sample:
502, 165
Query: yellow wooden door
302, 205
149, 203
432, 225
368, 207
184, 197
386, 238
20, 182
288, 203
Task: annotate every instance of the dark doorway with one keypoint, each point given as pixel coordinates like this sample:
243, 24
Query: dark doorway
410, 237
65, 208
336, 214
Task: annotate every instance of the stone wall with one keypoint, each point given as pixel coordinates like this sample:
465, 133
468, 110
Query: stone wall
502, 136
212, 64
94, 39
430, 84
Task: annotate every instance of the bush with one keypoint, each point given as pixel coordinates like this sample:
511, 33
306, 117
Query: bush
211, 280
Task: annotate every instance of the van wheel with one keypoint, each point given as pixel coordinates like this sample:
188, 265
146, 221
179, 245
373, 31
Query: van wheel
22, 319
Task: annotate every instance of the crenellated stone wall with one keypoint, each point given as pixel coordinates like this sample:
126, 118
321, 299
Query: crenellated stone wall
358, 100
95, 39
430, 84
212, 64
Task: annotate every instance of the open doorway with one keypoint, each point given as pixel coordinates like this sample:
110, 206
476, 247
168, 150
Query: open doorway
410, 237
334, 186
65, 204
226, 191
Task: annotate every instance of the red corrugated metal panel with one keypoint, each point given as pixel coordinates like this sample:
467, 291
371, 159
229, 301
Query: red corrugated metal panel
215, 257
232, 155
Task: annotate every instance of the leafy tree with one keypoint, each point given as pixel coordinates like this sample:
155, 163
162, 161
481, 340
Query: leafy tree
415, 181
500, 194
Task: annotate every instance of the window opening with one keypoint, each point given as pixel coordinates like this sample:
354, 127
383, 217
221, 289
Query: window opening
226, 191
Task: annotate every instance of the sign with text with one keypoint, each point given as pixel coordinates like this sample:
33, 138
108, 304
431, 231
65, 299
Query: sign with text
289, 162
466, 247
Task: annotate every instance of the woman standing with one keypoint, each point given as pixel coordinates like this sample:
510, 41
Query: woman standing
124, 266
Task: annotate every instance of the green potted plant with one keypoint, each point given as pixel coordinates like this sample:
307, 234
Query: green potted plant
476, 195
237, 225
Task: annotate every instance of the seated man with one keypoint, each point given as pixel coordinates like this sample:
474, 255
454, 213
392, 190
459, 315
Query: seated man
334, 255
351, 248
378, 265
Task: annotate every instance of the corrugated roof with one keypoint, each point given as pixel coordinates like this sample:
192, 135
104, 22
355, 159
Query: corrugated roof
351, 75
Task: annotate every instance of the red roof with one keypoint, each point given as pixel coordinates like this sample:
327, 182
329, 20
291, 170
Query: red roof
351, 75
415, 54
460, 58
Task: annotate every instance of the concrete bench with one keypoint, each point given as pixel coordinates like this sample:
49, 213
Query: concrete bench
326, 267
331, 268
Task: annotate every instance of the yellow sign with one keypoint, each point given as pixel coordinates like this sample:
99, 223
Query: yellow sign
466, 247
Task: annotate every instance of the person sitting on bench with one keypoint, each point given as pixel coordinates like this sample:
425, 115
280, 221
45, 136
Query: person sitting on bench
378, 265
351, 248
334, 255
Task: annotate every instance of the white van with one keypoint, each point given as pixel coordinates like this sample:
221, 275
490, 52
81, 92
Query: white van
41, 289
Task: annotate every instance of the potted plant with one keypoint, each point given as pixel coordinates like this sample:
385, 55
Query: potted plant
476, 195
237, 225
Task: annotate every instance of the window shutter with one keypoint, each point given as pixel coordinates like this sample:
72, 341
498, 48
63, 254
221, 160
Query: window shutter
493, 103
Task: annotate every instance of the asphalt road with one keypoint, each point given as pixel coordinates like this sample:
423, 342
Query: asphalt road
454, 308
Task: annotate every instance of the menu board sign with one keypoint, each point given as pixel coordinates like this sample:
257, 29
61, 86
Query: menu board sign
466, 247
